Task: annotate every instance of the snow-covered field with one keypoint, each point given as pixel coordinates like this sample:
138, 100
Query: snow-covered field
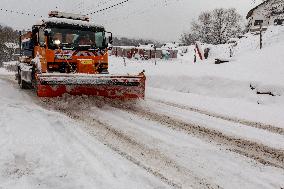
200, 126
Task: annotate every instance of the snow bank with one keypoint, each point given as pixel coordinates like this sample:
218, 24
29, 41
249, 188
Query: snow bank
3, 71
252, 77
250, 66
11, 66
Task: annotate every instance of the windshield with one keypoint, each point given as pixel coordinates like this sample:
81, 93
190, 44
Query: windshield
71, 38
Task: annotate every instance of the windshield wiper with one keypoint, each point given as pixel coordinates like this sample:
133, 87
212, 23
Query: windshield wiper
67, 46
85, 45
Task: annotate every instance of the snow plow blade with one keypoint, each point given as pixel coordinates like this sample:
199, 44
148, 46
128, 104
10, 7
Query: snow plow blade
109, 86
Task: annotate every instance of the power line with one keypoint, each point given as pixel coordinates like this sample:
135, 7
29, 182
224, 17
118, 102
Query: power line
110, 7
19, 13
156, 4
100, 4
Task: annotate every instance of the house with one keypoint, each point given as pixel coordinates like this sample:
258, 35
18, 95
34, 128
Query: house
270, 12
170, 46
145, 52
13, 50
142, 51
170, 49
123, 51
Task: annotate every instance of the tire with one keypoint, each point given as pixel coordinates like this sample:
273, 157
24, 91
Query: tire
19, 76
22, 83
103, 71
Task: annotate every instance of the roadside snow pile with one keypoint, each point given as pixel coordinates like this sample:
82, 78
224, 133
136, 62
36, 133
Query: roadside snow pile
219, 51
11, 66
250, 73
3, 71
251, 42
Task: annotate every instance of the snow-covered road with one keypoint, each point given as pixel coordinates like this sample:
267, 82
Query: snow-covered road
44, 149
84, 142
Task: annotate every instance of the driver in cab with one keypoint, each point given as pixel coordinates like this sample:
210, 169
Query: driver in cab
85, 40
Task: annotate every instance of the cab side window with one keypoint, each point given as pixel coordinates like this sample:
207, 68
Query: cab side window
41, 37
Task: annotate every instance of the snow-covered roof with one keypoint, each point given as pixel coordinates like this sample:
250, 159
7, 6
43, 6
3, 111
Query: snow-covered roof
146, 47
12, 45
67, 21
26, 40
252, 10
170, 46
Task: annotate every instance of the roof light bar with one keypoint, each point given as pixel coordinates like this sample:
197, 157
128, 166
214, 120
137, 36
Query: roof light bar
58, 14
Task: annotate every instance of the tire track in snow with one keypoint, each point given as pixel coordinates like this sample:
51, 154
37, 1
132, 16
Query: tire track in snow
259, 152
258, 125
151, 160
110, 137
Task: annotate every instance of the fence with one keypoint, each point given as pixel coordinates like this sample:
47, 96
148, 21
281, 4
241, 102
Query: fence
143, 53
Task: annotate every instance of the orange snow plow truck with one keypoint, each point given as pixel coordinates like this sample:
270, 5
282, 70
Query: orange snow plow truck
66, 53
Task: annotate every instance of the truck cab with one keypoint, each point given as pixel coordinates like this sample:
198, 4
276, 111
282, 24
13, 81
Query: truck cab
67, 54
68, 43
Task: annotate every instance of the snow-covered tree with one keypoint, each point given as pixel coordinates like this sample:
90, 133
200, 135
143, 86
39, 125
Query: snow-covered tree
225, 24
202, 27
215, 27
7, 35
188, 39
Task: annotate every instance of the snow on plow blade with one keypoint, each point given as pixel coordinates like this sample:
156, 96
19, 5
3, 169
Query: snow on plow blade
109, 86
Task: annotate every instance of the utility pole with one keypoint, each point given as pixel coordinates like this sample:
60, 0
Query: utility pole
155, 50
20, 43
260, 36
124, 61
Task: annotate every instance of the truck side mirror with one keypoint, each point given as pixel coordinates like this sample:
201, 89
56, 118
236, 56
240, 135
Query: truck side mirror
35, 30
110, 40
47, 32
109, 47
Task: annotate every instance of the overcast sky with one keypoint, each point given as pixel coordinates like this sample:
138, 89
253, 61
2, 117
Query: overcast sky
162, 20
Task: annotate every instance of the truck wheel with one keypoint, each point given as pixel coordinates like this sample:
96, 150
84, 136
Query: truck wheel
22, 83
103, 71
18, 76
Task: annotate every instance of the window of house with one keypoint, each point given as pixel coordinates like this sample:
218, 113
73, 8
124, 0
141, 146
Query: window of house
279, 21
258, 22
